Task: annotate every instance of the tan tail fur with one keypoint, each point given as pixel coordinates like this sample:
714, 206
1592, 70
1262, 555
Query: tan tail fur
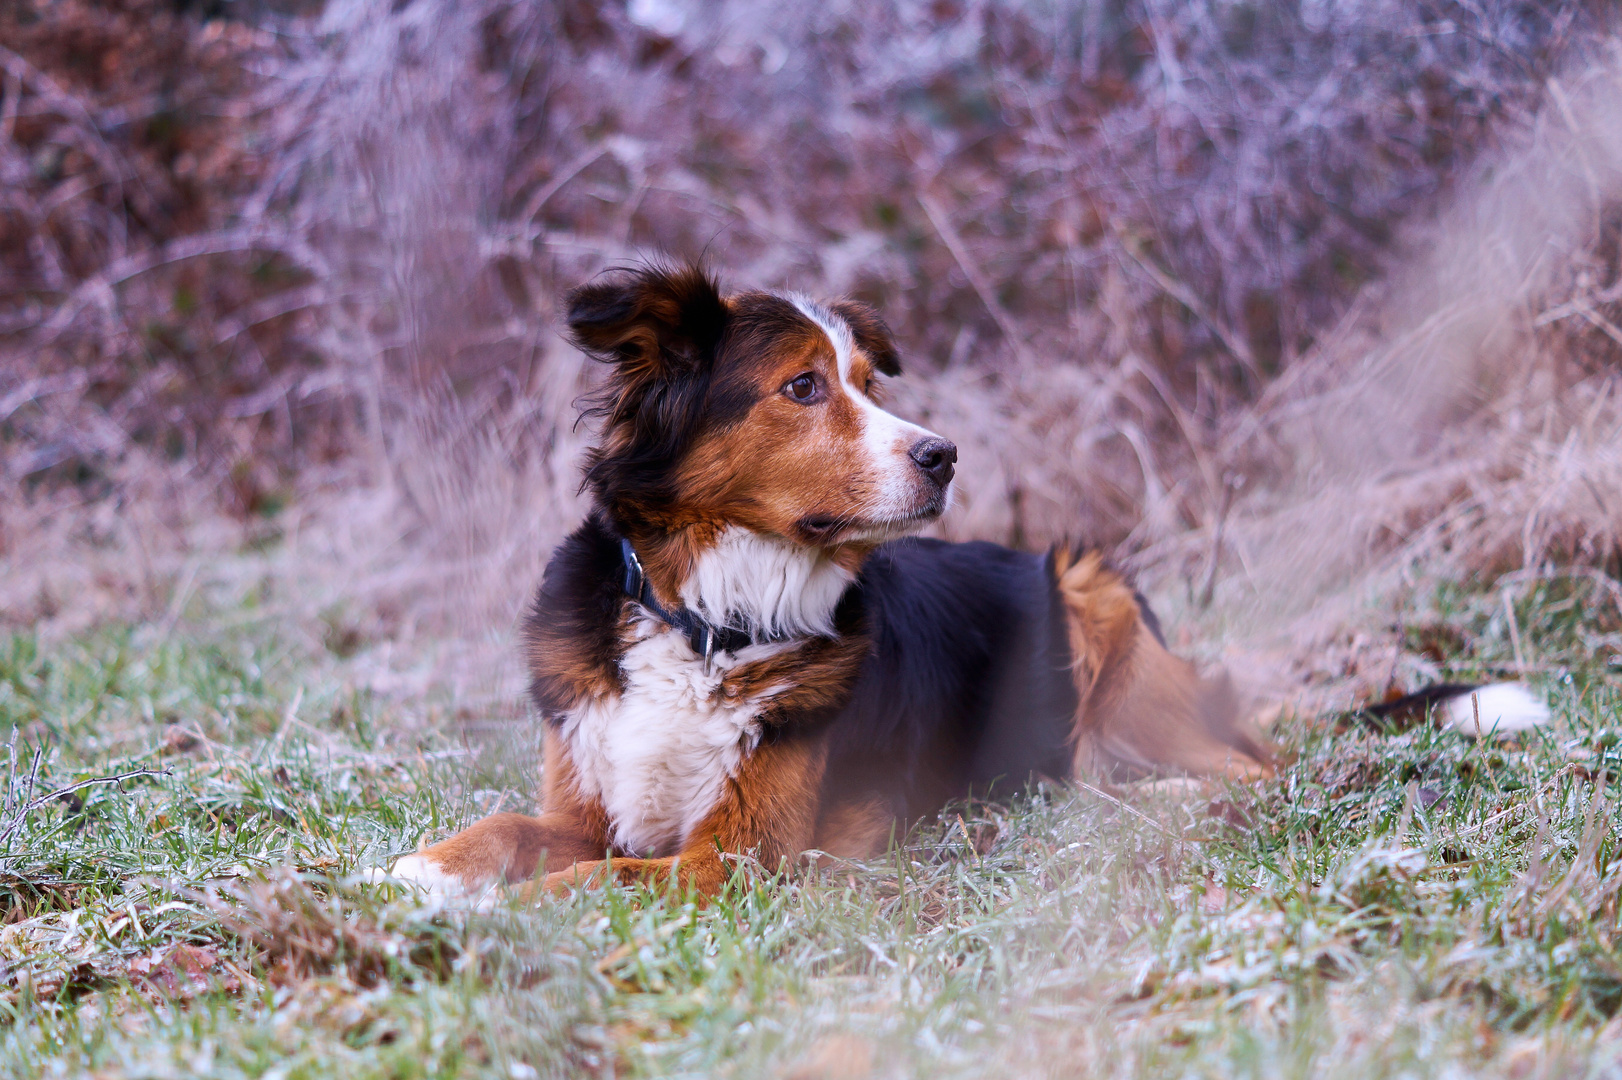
1143, 710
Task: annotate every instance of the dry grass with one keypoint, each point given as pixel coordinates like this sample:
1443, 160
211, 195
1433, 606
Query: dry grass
1468, 428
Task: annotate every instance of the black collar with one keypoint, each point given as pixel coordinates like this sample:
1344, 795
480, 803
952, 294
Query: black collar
705, 639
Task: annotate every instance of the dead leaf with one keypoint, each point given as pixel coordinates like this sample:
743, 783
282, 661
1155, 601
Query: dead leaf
177, 740
182, 971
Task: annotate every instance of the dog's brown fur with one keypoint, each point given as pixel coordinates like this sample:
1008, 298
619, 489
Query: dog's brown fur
1141, 705
781, 469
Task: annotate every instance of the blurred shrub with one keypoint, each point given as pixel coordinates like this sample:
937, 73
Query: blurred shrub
256, 237
982, 169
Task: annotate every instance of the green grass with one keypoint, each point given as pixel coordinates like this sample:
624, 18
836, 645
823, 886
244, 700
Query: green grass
1408, 905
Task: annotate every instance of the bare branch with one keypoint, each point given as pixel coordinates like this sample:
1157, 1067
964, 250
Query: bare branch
18, 817
977, 280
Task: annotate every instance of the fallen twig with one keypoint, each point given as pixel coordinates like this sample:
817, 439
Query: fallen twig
1129, 809
20, 805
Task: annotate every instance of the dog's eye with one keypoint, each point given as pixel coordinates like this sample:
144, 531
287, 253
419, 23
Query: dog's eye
802, 388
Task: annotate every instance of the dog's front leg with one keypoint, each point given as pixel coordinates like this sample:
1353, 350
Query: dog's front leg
768, 811
501, 849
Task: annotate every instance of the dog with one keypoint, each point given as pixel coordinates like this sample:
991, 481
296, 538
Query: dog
744, 651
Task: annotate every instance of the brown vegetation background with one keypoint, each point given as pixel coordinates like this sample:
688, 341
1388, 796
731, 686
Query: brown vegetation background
1297, 309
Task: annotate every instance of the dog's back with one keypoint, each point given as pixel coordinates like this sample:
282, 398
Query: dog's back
967, 685
972, 684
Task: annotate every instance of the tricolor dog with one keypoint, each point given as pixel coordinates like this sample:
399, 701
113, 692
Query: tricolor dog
741, 651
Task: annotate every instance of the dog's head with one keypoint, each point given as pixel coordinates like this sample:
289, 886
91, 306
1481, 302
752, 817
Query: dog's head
754, 410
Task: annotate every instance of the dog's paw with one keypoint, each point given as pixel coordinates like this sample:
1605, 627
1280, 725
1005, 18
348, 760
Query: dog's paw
564, 883
434, 883
1497, 709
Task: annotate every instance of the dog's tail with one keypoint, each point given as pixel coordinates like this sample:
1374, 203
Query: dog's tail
1144, 711
1476, 709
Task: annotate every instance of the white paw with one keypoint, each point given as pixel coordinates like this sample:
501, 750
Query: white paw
435, 885
1504, 709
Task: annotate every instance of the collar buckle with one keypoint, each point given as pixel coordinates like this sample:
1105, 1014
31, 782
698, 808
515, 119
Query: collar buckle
635, 579
704, 638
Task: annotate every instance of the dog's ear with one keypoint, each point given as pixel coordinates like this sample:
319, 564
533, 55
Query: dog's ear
872, 336
652, 323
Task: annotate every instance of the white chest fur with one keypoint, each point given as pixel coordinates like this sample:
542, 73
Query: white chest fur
659, 754
766, 584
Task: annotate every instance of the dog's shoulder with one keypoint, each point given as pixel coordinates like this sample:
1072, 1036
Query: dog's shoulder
968, 659
952, 596
571, 635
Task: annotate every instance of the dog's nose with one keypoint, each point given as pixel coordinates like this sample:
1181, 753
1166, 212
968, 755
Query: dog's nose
935, 457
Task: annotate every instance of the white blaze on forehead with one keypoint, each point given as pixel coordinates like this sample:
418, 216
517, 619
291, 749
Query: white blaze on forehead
886, 438
837, 329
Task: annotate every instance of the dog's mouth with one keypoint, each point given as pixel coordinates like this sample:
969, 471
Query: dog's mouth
826, 530
820, 528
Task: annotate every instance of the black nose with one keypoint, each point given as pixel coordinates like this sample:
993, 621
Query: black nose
935, 457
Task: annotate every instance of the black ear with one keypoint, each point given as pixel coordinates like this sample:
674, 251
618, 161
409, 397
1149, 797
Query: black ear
872, 336
651, 322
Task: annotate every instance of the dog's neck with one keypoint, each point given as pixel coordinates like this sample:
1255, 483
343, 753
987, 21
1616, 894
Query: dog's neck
766, 585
